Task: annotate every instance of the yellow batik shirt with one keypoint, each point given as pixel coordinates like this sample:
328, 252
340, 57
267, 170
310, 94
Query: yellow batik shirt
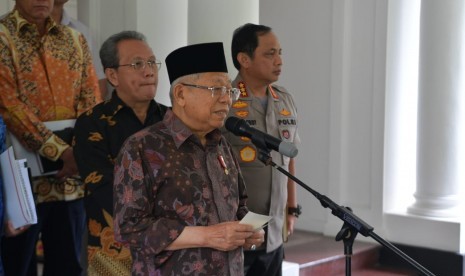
44, 78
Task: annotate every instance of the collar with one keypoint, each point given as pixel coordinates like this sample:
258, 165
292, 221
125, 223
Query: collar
181, 133
245, 94
115, 105
21, 22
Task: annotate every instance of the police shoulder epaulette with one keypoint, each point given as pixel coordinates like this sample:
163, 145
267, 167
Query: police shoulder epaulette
278, 88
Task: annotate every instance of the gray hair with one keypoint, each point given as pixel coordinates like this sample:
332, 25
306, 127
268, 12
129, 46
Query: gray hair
186, 78
109, 55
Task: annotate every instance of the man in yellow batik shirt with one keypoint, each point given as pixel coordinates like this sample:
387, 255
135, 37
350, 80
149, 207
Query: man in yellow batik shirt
46, 74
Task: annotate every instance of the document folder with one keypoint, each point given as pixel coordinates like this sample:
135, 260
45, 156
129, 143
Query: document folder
19, 201
40, 165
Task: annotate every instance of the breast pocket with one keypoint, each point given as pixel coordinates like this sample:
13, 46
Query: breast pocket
287, 128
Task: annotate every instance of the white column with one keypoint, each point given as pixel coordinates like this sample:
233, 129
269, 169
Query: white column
165, 25
441, 110
216, 20
6, 6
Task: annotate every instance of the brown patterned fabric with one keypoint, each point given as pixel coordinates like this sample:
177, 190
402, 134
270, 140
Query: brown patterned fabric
166, 180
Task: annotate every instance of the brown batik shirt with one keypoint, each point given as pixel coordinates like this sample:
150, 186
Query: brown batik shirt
166, 180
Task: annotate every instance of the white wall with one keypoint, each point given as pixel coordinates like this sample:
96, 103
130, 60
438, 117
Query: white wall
334, 65
213, 20
305, 33
6, 6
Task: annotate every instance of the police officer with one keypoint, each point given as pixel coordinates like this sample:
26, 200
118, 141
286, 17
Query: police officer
256, 53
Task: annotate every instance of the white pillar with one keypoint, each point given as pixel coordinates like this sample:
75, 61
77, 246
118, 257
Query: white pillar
215, 20
6, 6
165, 25
441, 110
401, 104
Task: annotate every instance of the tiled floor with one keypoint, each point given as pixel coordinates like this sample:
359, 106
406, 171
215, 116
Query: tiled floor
307, 248
320, 255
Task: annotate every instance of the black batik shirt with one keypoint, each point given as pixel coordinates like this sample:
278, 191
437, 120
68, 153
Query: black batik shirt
99, 135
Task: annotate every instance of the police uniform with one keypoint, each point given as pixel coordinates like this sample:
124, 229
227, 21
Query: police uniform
266, 186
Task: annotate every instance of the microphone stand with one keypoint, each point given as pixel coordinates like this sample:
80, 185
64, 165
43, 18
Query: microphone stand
352, 224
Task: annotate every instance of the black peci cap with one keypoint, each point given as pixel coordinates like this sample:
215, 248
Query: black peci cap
197, 58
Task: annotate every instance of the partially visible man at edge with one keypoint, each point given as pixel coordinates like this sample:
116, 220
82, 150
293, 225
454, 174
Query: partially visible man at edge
178, 189
59, 15
46, 74
132, 69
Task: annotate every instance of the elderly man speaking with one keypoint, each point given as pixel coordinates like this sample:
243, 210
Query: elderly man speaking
178, 188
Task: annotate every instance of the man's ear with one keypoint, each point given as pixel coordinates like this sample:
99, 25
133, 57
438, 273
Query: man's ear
110, 73
179, 97
243, 59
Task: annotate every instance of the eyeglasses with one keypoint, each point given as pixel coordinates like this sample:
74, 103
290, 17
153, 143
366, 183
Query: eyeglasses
233, 93
139, 65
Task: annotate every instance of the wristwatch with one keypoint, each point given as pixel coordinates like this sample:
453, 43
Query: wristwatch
295, 211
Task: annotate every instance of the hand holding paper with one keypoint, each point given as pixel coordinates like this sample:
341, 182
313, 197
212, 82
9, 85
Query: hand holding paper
256, 220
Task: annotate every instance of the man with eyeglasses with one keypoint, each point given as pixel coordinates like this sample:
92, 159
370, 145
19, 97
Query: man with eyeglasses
178, 189
132, 69
256, 53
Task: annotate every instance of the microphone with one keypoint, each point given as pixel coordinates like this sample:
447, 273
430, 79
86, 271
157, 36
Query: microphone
240, 127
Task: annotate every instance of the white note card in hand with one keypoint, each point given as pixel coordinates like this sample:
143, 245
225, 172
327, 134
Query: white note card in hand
256, 220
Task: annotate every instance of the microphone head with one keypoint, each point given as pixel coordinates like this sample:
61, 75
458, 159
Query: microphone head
236, 126
288, 149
